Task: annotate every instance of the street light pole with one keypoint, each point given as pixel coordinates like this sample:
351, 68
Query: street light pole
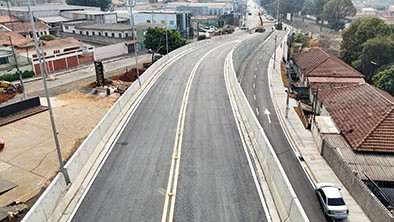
134, 39
274, 52
59, 153
165, 18
277, 12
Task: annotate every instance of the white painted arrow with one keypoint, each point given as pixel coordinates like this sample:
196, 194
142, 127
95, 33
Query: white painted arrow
267, 112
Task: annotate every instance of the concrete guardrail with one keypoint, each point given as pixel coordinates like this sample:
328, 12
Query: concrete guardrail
286, 201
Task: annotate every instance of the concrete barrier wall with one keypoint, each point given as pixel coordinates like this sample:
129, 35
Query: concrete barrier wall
360, 192
288, 205
48, 201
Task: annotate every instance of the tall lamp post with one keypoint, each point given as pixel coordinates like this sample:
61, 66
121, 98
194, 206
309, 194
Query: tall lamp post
165, 18
54, 131
275, 52
131, 5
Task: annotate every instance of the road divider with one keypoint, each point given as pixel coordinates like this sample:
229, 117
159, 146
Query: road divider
286, 201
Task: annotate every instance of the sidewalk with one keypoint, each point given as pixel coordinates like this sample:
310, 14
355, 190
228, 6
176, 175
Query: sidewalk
303, 143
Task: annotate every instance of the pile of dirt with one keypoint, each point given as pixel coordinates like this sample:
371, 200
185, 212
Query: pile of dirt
4, 97
129, 76
94, 84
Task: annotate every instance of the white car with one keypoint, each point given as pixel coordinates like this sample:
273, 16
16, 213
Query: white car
331, 200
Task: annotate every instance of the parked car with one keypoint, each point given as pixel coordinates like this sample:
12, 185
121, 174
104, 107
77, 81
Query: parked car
331, 201
2, 144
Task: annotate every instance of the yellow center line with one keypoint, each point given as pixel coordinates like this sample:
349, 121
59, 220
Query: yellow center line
175, 159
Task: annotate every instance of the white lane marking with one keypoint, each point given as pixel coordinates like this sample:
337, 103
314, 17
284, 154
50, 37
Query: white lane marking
255, 69
267, 112
257, 111
258, 62
254, 96
254, 85
254, 76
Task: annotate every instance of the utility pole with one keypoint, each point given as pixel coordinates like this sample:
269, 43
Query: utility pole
17, 68
275, 52
277, 12
59, 153
134, 39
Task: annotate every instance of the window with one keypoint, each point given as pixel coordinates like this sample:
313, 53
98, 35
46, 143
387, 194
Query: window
66, 27
172, 22
148, 21
93, 33
80, 32
4, 60
163, 22
87, 32
99, 33
120, 35
126, 34
56, 51
113, 34
106, 34
74, 31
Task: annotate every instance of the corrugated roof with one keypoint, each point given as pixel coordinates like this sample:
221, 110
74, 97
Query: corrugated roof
364, 115
53, 19
378, 166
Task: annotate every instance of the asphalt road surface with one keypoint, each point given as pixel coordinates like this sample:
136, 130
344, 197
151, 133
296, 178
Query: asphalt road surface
180, 156
254, 82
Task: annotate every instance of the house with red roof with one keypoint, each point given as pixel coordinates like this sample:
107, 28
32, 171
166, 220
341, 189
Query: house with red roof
318, 68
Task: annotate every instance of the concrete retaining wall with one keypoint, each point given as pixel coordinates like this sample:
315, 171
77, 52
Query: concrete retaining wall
360, 192
288, 205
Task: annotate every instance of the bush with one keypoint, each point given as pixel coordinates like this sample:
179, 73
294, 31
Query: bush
47, 37
15, 76
301, 38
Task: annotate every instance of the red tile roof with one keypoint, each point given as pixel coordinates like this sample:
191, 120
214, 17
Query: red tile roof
17, 39
26, 26
8, 19
320, 63
364, 115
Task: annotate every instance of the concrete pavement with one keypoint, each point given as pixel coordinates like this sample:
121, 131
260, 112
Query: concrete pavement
302, 140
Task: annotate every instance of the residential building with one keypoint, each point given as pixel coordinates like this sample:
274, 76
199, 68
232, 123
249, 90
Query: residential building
318, 67
21, 46
104, 34
61, 54
355, 123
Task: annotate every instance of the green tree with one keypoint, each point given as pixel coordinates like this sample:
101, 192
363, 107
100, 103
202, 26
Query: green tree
155, 39
335, 12
301, 38
385, 80
103, 4
47, 37
359, 31
315, 8
377, 52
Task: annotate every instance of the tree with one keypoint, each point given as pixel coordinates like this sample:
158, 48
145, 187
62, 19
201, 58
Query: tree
335, 12
359, 31
285, 6
103, 4
155, 39
315, 8
376, 53
385, 80
47, 37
